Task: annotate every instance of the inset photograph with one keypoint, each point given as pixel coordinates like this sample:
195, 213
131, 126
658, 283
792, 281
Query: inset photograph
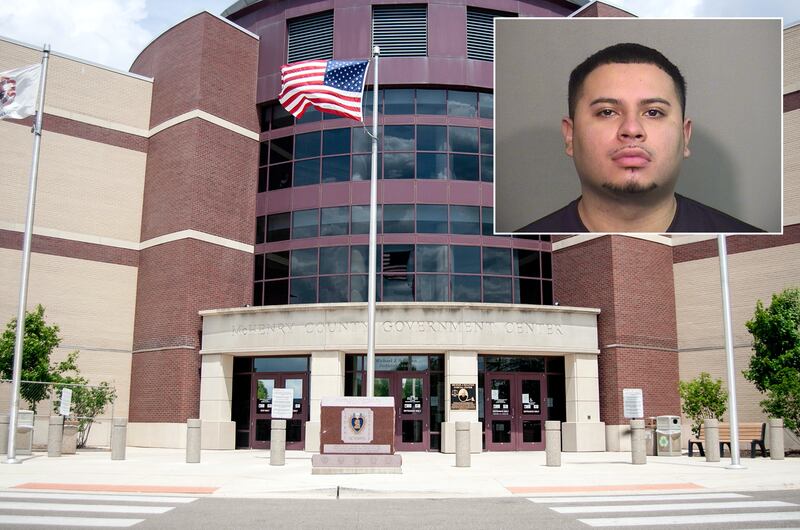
638, 126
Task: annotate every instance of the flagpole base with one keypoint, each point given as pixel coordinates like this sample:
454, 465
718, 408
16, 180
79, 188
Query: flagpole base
735, 466
12, 461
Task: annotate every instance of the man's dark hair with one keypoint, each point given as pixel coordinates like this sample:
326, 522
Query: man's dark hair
624, 53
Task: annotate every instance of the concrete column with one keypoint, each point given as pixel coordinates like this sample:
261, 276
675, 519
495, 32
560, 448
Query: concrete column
216, 391
4, 433
776, 451
638, 449
461, 367
583, 430
711, 437
193, 438
277, 443
119, 433
462, 444
326, 380
55, 432
552, 443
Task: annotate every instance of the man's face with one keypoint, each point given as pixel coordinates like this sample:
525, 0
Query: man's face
628, 135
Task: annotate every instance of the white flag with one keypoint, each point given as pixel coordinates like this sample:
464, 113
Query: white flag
18, 91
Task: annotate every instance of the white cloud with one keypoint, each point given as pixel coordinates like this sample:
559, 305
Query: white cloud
661, 9
108, 32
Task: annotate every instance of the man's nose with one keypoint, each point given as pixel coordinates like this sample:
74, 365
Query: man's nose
631, 128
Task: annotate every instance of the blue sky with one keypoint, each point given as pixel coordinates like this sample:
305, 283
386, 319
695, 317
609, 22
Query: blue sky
113, 32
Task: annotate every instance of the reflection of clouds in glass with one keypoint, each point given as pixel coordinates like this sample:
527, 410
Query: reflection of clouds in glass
464, 139
304, 262
462, 103
398, 138
398, 166
432, 258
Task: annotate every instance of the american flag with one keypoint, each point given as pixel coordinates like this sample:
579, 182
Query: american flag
329, 86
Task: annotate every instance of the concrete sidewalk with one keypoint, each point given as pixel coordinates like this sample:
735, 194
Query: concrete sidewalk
247, 473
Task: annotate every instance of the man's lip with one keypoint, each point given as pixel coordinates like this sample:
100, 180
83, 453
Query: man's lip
631, 157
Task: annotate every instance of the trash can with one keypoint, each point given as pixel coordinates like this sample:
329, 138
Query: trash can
668, 435
650, 436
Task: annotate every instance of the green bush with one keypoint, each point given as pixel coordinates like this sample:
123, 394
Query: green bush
702, 398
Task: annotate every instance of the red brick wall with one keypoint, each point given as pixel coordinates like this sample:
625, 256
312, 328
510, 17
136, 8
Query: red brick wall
631, 281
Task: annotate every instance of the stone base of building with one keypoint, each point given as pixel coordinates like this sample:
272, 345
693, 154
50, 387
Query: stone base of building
449, 437
214, 435
583, 437
618, 438
312, 436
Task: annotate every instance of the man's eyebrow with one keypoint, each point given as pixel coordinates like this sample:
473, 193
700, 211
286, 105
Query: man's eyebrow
614, 101
610, 101
650, 101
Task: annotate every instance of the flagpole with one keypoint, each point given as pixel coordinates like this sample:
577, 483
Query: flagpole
373, 233
26, 262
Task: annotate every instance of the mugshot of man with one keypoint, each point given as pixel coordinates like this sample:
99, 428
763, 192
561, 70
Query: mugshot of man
627, 135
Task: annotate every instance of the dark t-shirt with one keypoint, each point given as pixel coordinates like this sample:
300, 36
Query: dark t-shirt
690, 216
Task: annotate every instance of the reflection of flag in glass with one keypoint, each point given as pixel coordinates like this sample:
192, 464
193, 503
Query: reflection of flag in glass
18, 90
396, 261
329, 86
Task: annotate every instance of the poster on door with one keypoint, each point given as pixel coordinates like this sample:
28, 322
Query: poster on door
412, 405
499, 405
264, 395
529, 406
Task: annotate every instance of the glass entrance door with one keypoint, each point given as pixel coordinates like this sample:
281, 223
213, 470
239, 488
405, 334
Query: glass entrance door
514, 413
412, 407
261, 408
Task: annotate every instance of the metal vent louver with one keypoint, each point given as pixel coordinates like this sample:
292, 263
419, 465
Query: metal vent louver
400, 31
311, 37
480, 33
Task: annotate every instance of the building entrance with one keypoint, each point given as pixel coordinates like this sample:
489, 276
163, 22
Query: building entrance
261, 408
514, 411
412, 407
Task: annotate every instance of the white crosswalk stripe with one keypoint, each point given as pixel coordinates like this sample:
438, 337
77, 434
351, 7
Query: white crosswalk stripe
19, 508
613, 510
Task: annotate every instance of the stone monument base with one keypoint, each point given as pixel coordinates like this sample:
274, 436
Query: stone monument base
343, 464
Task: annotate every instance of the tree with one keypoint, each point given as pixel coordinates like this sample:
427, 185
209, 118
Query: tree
775, 365
702, 398
39, 342
88, 402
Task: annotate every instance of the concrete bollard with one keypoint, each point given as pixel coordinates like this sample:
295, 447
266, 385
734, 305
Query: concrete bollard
55, 433
462, 444
552, 443
776, 451
711, 436
119, 434
277, 443
638, 448
4, 433
193, 441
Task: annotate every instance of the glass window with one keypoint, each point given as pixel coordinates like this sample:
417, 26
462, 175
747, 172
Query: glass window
398, 218
305, 223
487, 220
431, 102
466, 288
359, 258
432, 287
280, 176
466, 259
368, 99
277, 227
358, 288
465, 220
263, 153
464, 139
496, 290
336, 141
281, 117
398, 138
526, 263
281, 364
310, 115
399, 101
277, 265
258, 293
496, 260
547, 269
362, 142
304, 262
432, 258
333, 260
336, 168
359, 219
547, 292
306, 172
398, 166
487, 169
432, 218
398, 259
280, 149
432, 166
487, 105
464, 167
527, 291
307, 145
258, 267
487, 141
460, 103
276, 293
262, 179
303, 291
398, 288
261, 229
334, 221
333, 289
431, 138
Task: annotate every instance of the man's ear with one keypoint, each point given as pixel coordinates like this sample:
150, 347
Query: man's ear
687, 134
566, 132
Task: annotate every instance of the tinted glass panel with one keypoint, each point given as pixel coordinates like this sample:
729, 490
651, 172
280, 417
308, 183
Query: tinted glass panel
280, 149
487, 105
280, 176
362, 142
362, 167
431, 102
304, 262
547, 270
398, 218
526, 263
258, 267
547, 292
358, 289
277, 227
281, 117
399, 101
307, 145
487, 168
431, 138
334, 221
336, 169
398, 288
462, 103
305, 223
465, 220
310, 116
398, 259
258, 293
431, 166
464, 139
398, 166
398, 138
276, 293
277, 265
261, 229
487, 221
333, 260
333, 289
263, 153
432, 218
464, 167
432, 287
360, 219
496, 290
359, 257
487, 141
336, 141
527, 291
262, 179
466, 259
303, 291
432, 258
281, 364
368, 100
306, 172
466, 288
496, 261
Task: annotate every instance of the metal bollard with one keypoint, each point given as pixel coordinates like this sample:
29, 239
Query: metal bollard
462, 444
711, 436
776, 451
4, 433
55, 434
552, 443
119, 434
638, 449
193, 441
277, 443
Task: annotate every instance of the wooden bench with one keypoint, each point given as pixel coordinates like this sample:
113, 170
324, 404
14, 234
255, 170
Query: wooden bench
748, 432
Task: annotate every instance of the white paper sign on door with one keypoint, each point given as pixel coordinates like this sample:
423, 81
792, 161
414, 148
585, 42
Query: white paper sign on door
282, 401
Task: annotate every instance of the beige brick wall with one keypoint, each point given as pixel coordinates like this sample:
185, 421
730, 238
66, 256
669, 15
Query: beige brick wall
791, 60
752, 276
86, 92
791, 167
84, 187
